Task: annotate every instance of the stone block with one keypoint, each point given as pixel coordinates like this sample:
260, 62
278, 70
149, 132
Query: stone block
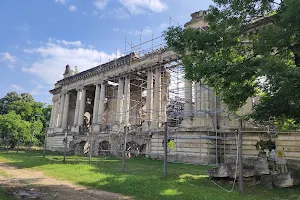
222, 171
261, 165
284, 180
249, 172
266, 180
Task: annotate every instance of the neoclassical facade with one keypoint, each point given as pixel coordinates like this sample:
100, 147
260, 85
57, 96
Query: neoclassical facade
139, 92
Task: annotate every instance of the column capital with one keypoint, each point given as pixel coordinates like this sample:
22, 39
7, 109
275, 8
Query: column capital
80, 87
55, 99
99, 82
64, 92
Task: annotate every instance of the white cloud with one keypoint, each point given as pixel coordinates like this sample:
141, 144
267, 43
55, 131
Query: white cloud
72, 8
119, 13
17, 88
39, 88
100, 4
54, 57
61, 1
72, 43
8, 58
143, 6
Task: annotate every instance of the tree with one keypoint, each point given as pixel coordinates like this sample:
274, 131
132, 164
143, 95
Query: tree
7, 100
27, 97
12, 97
13, 127
265, 63
27, 110
22, 116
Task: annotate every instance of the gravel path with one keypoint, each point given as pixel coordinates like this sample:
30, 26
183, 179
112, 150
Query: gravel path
29, 184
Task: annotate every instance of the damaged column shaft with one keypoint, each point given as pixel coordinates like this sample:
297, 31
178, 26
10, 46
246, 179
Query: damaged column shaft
126, 104
157, 99
66, 111
61, 109
96, 104
53, 115
188, 96
101, 103
120, 101
149, 99
77, 107
82, 107
197, 88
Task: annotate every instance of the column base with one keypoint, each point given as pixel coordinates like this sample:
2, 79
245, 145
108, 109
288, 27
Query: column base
146, 125
187, 122
200, 121
116, 127
75, 129
96, 128
155, 125
50, 131
58, 130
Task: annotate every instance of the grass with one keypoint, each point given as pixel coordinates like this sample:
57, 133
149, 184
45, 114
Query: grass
5, 196
143, 178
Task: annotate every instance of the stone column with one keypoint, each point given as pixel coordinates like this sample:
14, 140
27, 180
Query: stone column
164, 95
96, 104
208, 105
197, 88
53, 115
188, 98
66, 111
51, 118
204, 98
188, 104
149, 101
156, 100
101, 103
212, 99
82, 107
120, 101
61, 109
126, 103
77, 107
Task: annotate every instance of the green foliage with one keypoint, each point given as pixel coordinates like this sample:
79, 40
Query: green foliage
13, 127
286, 124
22, 118
239, 65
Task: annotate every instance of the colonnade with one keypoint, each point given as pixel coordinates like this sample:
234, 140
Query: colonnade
60, 108
202, 99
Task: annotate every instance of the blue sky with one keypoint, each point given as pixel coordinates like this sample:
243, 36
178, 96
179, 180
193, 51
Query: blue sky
40, 37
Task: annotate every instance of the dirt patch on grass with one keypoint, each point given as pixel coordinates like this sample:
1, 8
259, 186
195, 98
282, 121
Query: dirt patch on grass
29, 184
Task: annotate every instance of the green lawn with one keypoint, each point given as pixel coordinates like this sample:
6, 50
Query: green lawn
4, 196
143, 178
